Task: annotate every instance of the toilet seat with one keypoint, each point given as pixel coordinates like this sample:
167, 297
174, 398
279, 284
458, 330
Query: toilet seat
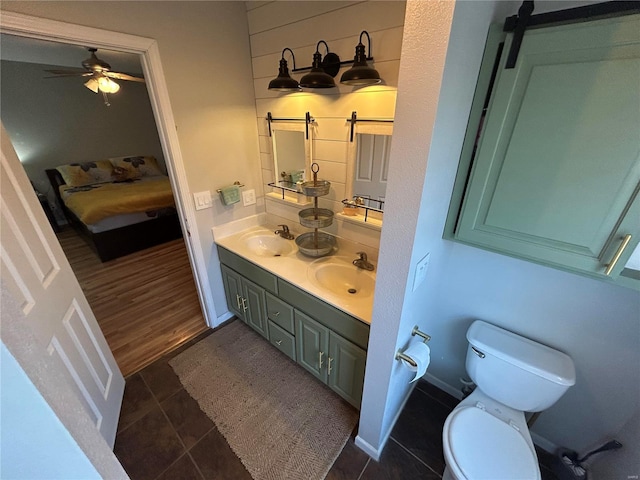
481, 446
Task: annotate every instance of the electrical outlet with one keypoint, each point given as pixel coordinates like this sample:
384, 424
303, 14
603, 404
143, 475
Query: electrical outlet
249, 197
421, 271
202, 200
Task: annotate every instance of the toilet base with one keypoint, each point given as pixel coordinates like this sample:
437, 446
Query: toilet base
447, 475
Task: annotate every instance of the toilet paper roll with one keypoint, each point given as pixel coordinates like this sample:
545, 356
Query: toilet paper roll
421, 354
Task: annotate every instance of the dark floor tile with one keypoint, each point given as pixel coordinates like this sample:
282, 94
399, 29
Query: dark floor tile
161, 379
215, 459
183, 469
147, 447
185, 415
419, 429
349, 463
547, 462
137, 401
437, 394
396, 463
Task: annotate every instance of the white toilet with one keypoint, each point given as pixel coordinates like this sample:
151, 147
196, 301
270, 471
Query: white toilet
486, 436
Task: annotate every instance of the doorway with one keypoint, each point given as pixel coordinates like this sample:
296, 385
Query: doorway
145, 50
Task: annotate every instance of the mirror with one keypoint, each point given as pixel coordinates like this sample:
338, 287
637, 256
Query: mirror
367, 169
291, 154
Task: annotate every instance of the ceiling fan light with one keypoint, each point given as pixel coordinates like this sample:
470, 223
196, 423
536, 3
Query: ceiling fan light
92, 84
107, 85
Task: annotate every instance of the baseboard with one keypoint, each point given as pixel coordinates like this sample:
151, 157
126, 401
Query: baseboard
543, 443
454, 392
368, 448
222, 318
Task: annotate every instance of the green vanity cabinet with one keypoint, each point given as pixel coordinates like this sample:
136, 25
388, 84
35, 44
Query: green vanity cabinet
330, 358
246, 300
327, 342
556, 173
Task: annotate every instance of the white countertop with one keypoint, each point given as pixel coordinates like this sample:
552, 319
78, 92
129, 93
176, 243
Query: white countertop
294, 268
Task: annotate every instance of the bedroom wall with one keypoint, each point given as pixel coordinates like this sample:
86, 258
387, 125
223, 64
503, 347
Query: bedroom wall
299, 26
57, 121
214, 113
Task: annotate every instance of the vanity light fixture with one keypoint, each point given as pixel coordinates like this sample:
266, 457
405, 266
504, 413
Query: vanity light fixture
283, 82
322, 70
361, 73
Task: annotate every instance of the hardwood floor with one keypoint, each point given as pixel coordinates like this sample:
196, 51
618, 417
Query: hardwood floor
145, 303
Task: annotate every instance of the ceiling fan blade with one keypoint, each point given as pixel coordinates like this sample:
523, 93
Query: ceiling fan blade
62, 75
69, 72
124, 76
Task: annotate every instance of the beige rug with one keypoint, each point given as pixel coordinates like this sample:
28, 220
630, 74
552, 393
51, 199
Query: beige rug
279, 420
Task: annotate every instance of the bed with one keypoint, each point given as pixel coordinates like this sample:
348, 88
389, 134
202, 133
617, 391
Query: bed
119, 206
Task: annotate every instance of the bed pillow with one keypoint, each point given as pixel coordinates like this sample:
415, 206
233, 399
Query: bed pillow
86, 173
136, 167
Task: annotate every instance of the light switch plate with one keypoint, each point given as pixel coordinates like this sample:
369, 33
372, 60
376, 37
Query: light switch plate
202, 200
421, 271
249, 197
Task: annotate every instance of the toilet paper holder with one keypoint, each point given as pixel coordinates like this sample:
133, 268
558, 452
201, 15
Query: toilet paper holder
400, 354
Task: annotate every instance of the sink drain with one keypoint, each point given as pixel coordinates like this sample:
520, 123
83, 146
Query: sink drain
352, 290
276, 254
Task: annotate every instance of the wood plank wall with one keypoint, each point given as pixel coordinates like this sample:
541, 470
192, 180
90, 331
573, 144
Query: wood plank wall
299, 26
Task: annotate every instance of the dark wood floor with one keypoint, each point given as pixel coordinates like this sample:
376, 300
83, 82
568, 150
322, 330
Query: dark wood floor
145, 303
163, 435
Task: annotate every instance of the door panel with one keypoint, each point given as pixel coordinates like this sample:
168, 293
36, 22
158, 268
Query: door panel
347, 369
233, 290
39, 275
312, 345
257, 308
557, 169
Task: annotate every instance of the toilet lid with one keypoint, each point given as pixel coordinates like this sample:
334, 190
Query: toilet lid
485, 447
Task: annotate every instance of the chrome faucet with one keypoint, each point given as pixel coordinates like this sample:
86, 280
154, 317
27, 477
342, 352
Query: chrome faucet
363, 262
284, 233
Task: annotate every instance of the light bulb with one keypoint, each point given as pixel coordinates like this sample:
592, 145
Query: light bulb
107, 85
92, 84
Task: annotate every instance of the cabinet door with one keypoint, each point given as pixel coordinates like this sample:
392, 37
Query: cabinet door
345, 369
557, 169
312, 345
256, 314
233, 291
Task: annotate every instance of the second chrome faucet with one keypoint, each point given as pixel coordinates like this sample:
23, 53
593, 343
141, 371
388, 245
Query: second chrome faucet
363, 262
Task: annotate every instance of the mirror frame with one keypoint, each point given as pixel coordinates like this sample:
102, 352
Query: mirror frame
352, 152
295, 127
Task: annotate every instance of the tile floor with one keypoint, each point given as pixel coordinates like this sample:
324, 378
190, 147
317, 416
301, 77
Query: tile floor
163, 435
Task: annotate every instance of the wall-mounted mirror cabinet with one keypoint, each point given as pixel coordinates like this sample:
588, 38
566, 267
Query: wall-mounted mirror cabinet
291, 151
367, 169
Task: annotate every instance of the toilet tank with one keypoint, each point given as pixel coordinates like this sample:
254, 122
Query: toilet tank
515, 371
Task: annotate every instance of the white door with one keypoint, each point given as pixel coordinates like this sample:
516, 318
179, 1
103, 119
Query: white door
35, 268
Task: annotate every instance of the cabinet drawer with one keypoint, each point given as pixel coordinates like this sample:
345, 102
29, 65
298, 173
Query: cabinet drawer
343, 324
247, 269
282, 340
280, 313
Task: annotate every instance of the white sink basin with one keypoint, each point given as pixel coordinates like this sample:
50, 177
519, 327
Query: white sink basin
268, 245
340, 277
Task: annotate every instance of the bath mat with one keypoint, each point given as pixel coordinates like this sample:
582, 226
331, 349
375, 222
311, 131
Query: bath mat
279, 420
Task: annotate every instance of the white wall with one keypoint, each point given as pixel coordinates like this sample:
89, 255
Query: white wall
57, 121
204, 48
299, 26
597, 324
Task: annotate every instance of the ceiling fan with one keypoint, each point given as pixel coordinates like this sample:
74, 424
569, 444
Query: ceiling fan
99, 73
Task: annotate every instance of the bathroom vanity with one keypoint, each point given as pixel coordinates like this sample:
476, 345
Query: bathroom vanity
302, 306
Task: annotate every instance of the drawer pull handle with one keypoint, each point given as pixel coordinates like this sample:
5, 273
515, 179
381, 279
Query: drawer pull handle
275, 314
238, 301
625, 241
279, 342
329, 366
244, 304
320, 354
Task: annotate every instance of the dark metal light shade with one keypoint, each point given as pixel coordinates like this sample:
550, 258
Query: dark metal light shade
283, 82
361, 73
317, 78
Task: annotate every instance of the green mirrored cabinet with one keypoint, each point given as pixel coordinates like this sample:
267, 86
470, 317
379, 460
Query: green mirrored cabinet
550, 169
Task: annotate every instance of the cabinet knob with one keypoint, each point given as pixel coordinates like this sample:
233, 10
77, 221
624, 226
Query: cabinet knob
625, 241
